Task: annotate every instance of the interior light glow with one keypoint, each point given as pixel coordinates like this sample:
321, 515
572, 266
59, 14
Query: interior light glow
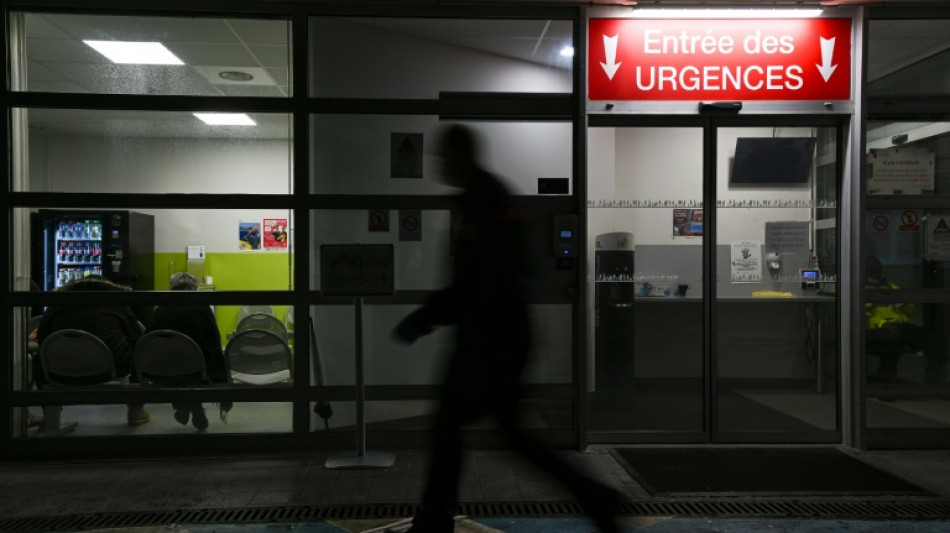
226, 119
135, 53
567, 51
746, 13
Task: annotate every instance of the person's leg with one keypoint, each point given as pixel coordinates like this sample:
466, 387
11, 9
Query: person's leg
440, 497
459, 405
182, 412
600, 502
886, 343
198, 417
137, 415
933, 346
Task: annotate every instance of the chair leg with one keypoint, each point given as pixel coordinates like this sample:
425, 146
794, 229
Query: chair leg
51, 422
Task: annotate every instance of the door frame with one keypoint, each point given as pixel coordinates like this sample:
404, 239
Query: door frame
710, 123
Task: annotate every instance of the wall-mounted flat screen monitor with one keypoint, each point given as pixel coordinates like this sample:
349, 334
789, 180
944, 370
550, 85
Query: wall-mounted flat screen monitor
773, 160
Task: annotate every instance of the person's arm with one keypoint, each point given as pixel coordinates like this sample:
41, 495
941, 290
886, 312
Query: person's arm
441, 310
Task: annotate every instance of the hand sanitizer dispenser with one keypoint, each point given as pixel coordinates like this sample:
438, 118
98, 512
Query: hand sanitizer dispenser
196, 262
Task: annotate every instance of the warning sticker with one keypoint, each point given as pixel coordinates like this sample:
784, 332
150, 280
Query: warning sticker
405, 155
378, 220
937, 237
910, 220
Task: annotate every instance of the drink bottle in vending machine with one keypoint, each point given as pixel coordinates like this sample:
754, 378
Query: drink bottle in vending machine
71, 245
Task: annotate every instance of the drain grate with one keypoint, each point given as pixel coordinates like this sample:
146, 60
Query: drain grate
840, 509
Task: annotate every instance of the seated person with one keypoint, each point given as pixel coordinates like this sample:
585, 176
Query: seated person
890, 330
116, 326
197, 322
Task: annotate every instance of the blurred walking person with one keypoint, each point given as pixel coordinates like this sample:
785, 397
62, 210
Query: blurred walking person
487, 304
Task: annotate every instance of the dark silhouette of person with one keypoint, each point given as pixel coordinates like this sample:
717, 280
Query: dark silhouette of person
117, 326
890, 330
197, 322
487, 305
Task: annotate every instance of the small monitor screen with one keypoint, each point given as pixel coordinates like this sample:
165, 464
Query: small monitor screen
773, 160
810, 275
567, 234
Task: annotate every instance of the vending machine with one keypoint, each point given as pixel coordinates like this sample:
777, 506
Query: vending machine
70, 245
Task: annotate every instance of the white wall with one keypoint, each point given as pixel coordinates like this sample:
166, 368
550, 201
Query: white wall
158, 165
665, 165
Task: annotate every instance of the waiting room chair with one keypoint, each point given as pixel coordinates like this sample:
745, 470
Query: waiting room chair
289, 326
168, 358
262, 321
289, 320
251, 309
258, 357
73, 358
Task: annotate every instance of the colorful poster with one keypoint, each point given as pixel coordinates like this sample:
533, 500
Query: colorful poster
746, 262
275, 234
249, 236
687, 222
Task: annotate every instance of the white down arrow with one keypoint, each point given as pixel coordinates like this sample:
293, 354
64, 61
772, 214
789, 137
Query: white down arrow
827, 52
610, 53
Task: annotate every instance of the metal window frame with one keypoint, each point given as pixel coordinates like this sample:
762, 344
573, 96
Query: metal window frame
300, 106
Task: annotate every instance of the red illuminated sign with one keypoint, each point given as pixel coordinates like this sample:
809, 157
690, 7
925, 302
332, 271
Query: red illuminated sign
701, 60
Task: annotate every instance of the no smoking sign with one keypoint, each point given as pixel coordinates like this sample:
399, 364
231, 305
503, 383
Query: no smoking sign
410, 225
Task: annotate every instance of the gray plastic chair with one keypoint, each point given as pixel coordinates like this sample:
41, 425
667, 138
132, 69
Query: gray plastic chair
258, 357
168, 358
252, 309
72, 358
263, 321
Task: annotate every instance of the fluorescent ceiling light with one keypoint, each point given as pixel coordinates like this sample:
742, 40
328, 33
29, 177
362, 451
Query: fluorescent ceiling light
135, 53
745, 13
567, 51
226, 119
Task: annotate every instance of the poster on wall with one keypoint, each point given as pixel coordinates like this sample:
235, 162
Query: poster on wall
901, 171
937, 237
746, 262
275, 234
687, 223
249, 235
405, 156
789, 236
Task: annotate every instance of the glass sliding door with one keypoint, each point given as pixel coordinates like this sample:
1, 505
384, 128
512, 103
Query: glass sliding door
775, 363
712, 268
645, 236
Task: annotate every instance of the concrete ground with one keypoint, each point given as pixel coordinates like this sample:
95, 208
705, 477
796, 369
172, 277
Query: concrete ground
129, 487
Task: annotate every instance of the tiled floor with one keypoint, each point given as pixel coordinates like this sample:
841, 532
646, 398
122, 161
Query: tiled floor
64, 488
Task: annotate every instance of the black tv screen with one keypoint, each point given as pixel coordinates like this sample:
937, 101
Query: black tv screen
773, 160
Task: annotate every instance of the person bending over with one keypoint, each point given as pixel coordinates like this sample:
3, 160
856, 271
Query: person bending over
197, 322
116, 326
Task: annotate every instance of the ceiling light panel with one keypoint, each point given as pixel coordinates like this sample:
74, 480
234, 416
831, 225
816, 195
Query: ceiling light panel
226, 119
135, 53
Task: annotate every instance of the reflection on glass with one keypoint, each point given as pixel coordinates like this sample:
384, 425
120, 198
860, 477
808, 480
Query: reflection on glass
646, 234
112, 420
910, 72
154, 152
156, 55
386, 154
419, 415
776, 264
421, 264
419, 58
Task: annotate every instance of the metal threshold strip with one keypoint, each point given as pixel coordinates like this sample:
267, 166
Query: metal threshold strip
715, 508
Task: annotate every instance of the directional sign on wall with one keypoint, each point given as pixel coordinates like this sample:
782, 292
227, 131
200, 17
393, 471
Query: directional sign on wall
709, 60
